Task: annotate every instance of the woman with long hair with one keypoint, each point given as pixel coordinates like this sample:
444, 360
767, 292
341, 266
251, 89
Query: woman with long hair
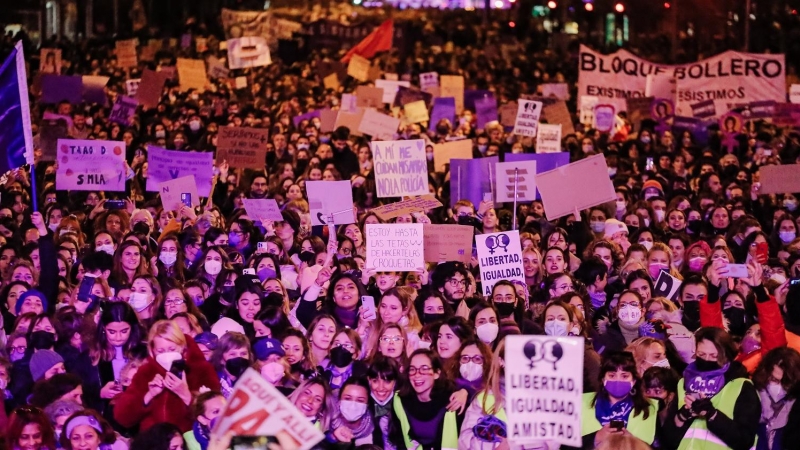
29, 429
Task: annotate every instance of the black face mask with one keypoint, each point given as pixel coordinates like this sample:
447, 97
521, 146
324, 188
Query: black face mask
273, 299
300, 166
42, 340
737, 321
428, 318
505, 309
632, 230
297, 367
691, 315
705, 365
341, 357
694, 226
142, 227
307, 257
228, 293
237, 366
471, 301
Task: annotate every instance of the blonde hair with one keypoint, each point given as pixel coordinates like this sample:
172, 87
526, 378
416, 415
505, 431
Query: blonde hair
168, 330
538, 278
660, 246
668, 305
494, 380
618, 441
639, 348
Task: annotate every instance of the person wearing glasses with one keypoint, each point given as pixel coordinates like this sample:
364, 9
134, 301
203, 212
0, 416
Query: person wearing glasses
391, 344
472, 370
345, 359
424, 415
629, 314
452, 280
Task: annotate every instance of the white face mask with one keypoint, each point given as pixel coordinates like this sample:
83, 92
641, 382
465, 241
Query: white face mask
165, 360
272, 372
660, 213
53, 227
384, 402
555, 328
630, 315
662, 363
108, 248
487, 332
168, 258
213, 267
423, 344
776, 391
351, 410
621, 206
471, 371
647, 244
139, 301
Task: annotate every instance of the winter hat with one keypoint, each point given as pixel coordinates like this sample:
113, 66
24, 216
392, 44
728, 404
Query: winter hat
652, 184
210, 340
30, 293
265, 347
226, 325
42, 361
614, 226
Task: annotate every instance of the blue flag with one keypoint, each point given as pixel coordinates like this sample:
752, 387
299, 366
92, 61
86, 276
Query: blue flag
16, 140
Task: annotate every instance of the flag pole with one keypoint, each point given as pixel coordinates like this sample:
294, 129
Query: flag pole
514, 212
34, 200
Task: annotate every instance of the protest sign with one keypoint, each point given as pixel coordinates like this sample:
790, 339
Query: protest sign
217, 69
257, 408
349, 103
50, 131
351, 120
408, 206
586, 109
331, 82
192, 74
126, 53
557, 113
172, 192
327, 120
240, 82
416, 112
369, 97
794, 93
358, 68
638, 110
330, 197
50, 60
443, 108
544, 389
246, 52
704, 109
528, 113
429, 81
443, 153
150, 88
557, 90
123, 111
471, 179
94, 89
604, 117
394, 247
132, 87
56, 88
378, 125
697, 127
243, 147
666, 286
548, 139
508, 115
786, 115
728, 78
486, 110
262, 209
591, 174
507, 174
164, 165
500, 258
406, 95
390, 88
453, 86
448, 243
779, 179
400, 167
90, 165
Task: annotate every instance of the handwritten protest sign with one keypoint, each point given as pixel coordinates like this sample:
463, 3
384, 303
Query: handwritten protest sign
369, 97
378, 125
779, 179
500, 258
249, 51
263, 209
528, 113
557, 113
548, 139
523, 174
400, 167
172, 192
448, 242
394, 247
243, 147
257, 408
453, 86
358, 68
90, 165
351, 120
330, 197
443, 153
165, 165
591, 174
416, 112
390, 88
331, 82
327, 120
126, 53
535, 359
704, 109
429, 81
192, 74
132, 87
217, 69
149, 91
408, 206
123, 111
408, 95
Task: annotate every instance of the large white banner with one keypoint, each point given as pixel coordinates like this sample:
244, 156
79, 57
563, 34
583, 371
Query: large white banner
729, 79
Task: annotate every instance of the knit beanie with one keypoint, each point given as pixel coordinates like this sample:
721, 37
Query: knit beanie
42, 361
30, 293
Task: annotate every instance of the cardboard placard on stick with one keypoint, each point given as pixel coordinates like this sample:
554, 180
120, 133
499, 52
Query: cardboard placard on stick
243, 147
591, 174
443, 153
408, 206
448, 243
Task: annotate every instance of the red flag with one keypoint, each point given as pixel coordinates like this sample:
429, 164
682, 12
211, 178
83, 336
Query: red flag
377, 41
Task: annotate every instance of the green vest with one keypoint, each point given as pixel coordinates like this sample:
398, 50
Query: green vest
698, 436
191, 441
500, 414
449, 432
643, 429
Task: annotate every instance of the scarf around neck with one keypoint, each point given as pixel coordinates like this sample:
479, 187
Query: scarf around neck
706, 383
605, 412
